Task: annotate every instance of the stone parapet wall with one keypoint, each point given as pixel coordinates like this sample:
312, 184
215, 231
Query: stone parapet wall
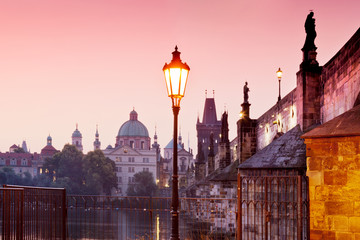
333, 168
285, 112
340, 80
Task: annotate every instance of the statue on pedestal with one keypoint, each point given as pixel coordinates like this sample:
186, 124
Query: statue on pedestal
309, 44
246, 93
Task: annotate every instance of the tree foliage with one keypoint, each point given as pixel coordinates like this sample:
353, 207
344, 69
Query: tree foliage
100, 174
144, 185
8, 176
81, 174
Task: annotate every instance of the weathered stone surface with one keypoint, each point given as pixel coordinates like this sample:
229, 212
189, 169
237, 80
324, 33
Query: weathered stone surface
335, 178
347, 148
345, 208
314, 164
344, 236
357, 236
354, 224
315, 178
340, 223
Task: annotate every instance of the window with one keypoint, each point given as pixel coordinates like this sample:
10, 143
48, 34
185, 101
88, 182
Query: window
145, 160
118, 159
131, 180
142, 145
121, 143
118, 169
2, 161
145, 169
131, 159
119, 179
119, 190
13, 161
131, 169
132, 144
24, 162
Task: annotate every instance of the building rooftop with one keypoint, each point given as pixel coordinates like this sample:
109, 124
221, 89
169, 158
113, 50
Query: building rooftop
288, 151
346, 124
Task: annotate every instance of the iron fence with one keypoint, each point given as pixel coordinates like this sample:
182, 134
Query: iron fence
40, 213
12, 213
273, 207
102, 217
47, 213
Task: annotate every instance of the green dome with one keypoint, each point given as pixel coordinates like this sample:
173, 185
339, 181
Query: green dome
133, 127
77, 133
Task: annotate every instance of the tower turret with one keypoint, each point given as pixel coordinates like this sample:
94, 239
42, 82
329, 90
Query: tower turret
97, 142
77, 139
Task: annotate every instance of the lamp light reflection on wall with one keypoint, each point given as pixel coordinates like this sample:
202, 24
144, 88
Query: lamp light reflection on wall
241, 115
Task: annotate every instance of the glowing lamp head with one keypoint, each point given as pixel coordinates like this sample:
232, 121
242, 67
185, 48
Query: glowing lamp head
176, 74
279, 73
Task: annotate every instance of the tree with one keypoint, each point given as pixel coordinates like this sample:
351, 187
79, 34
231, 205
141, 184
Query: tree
65, 169
92, 173
19, 150
144, 185
8, 176
100, 174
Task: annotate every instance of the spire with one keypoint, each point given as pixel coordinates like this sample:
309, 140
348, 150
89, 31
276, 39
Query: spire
155, 136
76, 126
97, 142
97, 132
49, 140
155, 145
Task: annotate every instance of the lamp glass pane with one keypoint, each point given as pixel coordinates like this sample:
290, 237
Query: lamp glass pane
167, 79
184, 74
175, 81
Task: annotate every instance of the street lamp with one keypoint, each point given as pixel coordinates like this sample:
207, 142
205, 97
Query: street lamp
176, 74
279, 74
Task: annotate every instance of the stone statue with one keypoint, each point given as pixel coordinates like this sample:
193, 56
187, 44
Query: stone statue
246, 93
310, 33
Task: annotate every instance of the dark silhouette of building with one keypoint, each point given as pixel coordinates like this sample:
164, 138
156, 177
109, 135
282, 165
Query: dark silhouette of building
209, 125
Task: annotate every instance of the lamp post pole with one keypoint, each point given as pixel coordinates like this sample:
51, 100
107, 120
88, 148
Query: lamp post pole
175, 190
176, 74
279, 74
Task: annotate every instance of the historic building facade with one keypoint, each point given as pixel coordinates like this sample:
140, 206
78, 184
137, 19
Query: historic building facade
185, 162
132, 153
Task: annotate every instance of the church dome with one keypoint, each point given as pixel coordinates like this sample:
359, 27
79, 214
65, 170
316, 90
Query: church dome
77, 133
133, 127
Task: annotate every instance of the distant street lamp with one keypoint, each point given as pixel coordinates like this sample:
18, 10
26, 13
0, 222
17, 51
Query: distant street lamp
279, 75
176, 74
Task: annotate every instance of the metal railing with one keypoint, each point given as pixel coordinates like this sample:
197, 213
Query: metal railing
273, 207
37, 213
102, 217
12, 213
47, 213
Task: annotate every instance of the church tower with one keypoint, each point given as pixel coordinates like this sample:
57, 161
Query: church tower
77, 139
49, 141
211, 155
97, 142
209, 125
224, 146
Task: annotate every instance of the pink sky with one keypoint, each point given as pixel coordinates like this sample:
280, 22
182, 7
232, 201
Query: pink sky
90, 62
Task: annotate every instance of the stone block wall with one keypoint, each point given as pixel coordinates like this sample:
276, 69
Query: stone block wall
340, 80
333, 168
284, 112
